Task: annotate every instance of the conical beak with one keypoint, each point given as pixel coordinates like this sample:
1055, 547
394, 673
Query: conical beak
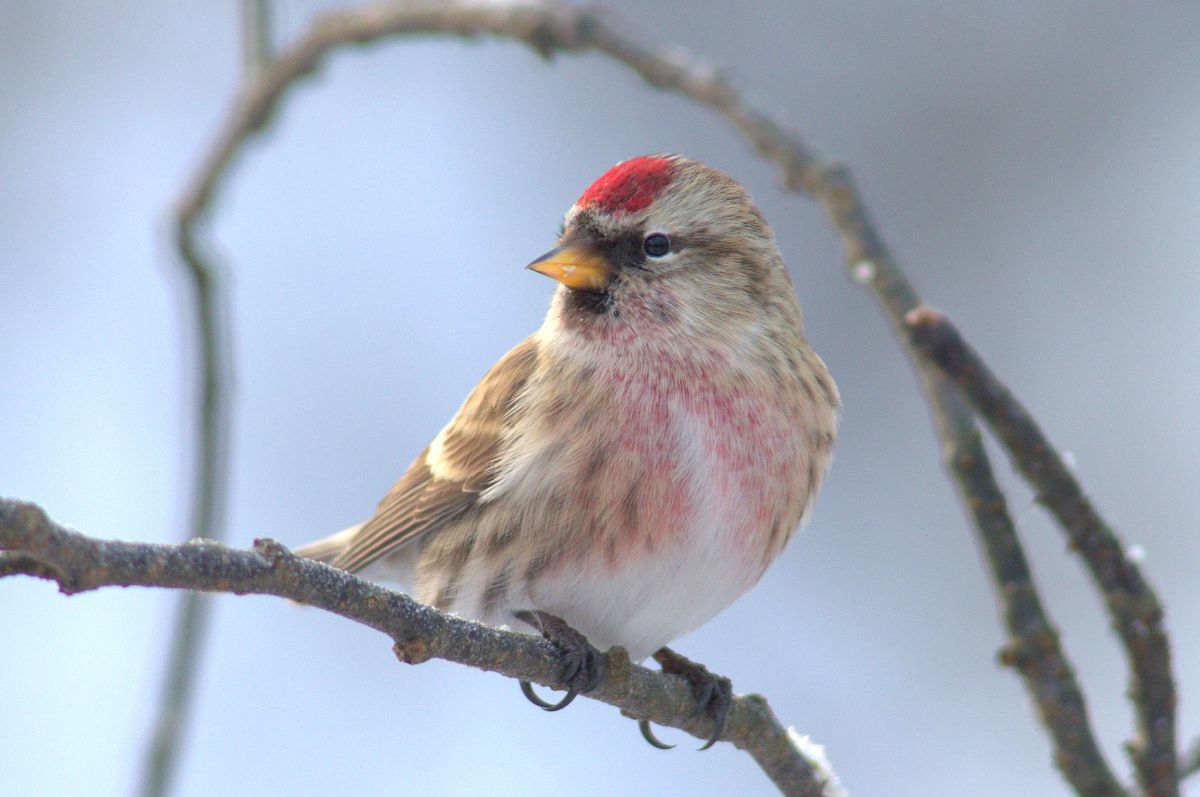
575, 267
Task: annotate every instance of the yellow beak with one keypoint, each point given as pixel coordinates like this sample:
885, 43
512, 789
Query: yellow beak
574, 267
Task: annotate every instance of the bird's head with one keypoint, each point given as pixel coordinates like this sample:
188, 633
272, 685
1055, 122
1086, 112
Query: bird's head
662, 240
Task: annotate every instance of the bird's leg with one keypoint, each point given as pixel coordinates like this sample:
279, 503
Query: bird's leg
583, 664
713, 693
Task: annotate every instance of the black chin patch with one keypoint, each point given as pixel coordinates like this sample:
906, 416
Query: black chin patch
593, 302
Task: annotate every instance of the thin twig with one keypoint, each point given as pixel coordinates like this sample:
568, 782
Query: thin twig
208, 496
208, 490
1136, 613
78, 563
256, 36
1034, 650
550, 27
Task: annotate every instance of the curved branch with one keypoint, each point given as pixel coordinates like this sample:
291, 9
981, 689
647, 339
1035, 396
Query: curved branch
546, 27
207, 504
256, 35
1133, 607
39, 547
1034, 649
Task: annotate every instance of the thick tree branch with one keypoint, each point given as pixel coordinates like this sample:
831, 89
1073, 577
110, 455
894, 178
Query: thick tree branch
14, 564
1133, 607
39, 547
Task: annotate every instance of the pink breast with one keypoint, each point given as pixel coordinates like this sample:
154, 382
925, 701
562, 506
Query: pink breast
706, 447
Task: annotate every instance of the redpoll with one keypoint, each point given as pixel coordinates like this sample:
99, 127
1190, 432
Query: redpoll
635, 465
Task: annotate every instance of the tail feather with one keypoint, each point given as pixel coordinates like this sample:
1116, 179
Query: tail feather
326, 550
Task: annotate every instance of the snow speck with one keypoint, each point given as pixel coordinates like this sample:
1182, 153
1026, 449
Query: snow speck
863, 272
1135, 553
831, 784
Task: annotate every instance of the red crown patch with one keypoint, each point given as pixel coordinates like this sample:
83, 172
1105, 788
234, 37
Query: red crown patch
629, 186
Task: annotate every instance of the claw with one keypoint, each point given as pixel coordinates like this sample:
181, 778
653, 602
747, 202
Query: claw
527, 690
718, 729
648, 735
583, 665
713, 693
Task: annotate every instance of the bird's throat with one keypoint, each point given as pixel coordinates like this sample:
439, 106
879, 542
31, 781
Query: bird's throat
588, 302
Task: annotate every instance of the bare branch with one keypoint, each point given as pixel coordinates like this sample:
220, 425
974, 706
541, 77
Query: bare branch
256, 36
546, 27
1132, 605
192, 618
42, 548
208, 492
183, 662
1034, 649
12, 564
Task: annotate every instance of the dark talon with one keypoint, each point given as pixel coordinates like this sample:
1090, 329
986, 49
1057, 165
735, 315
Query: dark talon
713, 693
527, 690
583, 665
718, 729
648, 735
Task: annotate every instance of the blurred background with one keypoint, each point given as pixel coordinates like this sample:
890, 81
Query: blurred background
1036, 167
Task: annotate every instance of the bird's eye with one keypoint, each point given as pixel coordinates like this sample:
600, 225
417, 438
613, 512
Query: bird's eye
656, 244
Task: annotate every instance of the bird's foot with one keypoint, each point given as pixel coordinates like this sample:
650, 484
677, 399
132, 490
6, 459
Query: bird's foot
713, 693
583, 664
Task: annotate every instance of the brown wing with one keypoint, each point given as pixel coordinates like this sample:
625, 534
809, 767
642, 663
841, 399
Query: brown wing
446, 479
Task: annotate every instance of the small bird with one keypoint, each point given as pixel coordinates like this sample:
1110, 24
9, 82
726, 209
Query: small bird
635, 465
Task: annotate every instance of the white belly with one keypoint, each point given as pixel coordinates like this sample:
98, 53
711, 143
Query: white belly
657, 596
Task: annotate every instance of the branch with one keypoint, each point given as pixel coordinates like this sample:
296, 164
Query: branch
1132, 605
546, 27
1034, 649
256, 35
209, 476
39, 547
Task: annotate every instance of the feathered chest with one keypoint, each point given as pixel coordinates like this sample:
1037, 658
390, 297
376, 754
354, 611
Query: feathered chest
636, 497
660, 454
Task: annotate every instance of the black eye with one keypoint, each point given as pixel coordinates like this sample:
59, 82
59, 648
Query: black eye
656, 244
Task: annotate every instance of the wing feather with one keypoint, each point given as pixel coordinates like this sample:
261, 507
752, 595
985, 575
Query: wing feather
446, 479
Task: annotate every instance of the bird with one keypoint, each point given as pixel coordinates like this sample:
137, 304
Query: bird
632, 467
